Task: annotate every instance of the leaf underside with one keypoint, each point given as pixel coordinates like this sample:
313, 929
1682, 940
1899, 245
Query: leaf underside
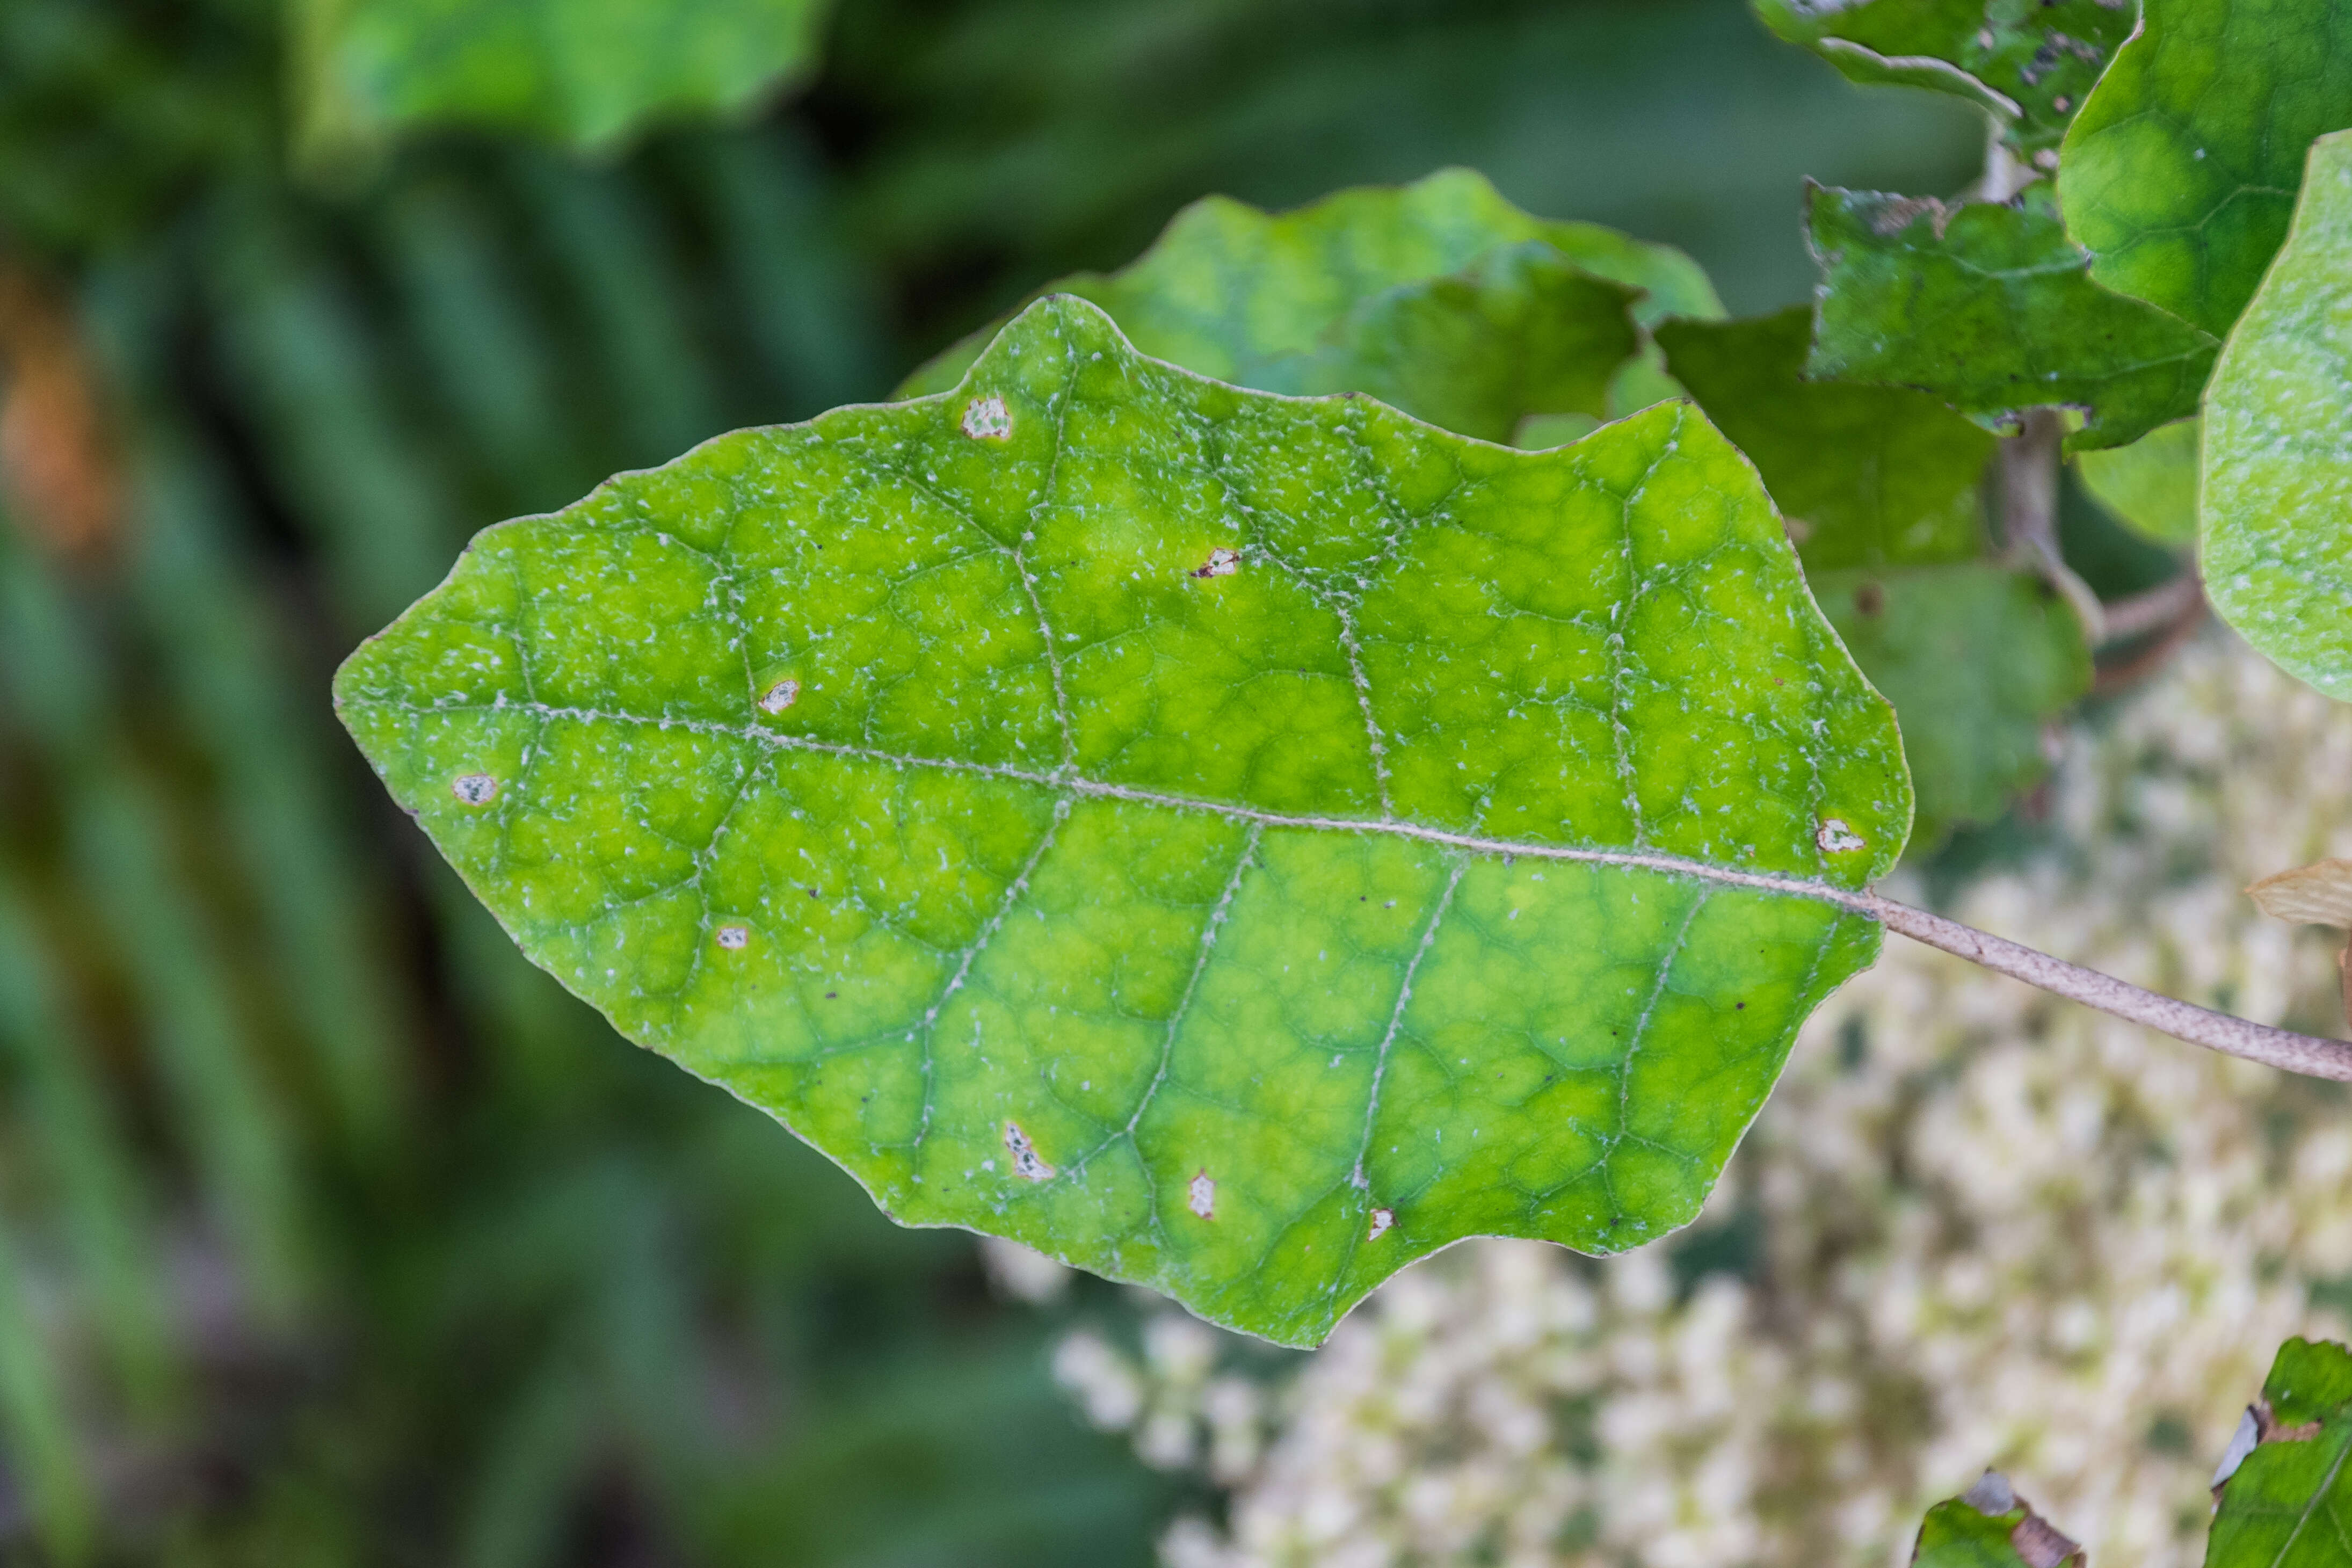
1152, 820
2030, 62
585, 72
1990, 307
2276, 507
1439, 298
2289, 1502
2181, 168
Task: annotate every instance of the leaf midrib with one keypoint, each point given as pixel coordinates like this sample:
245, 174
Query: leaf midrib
1071, 783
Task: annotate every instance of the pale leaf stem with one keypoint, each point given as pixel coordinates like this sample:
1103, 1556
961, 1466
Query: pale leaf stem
2305, 1054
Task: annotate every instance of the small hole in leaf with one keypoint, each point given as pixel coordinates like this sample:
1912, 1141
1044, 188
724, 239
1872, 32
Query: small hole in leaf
474, 789
1200, 1197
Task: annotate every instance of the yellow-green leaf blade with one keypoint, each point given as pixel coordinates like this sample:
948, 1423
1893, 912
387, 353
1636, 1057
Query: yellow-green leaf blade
1227, 841
2180, 170
2276, 509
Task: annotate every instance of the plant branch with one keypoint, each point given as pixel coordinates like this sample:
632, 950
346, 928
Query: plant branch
2158, 609
2029, 514
2284, 1049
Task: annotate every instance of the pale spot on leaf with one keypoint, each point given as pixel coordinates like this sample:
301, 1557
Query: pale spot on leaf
474, 789
1837, 838
1026, 1162
779, 695
1200, 1197
987, 419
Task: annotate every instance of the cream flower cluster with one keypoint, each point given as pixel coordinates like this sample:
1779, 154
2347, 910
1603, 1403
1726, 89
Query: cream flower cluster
1984, 1227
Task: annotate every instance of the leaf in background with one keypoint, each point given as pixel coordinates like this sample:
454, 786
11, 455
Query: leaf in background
1866, 476
1439, 297
2284, 1503
2149, 486
1991, 307
1977, 659
2277, 534
2316, 894
1991, 1527
583, 72
1224, 841
2181, 169
2029, 62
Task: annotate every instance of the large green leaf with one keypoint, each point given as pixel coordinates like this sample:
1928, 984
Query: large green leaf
2180, 170
2276, 510
1227, 841
1989, 306
1978, 660
2151, 485
585, 72
1866, 476
1991, 1527
1439, 297
2288, 1502
2030, 62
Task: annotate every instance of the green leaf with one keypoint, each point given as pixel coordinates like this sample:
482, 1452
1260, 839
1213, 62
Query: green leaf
1977, 659
1231, 842
2029, 62
1867, 477
2151, 485
1439, 298
2277, 537
583, 72
1991, 1527
1991, 307
2287, 1504
2180, 171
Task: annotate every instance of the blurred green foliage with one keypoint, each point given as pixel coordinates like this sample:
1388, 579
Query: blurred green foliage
330, 1230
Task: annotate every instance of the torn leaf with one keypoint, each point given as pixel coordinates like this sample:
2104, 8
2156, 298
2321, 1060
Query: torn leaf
1990, 1526
1990, 307
2280, 1507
